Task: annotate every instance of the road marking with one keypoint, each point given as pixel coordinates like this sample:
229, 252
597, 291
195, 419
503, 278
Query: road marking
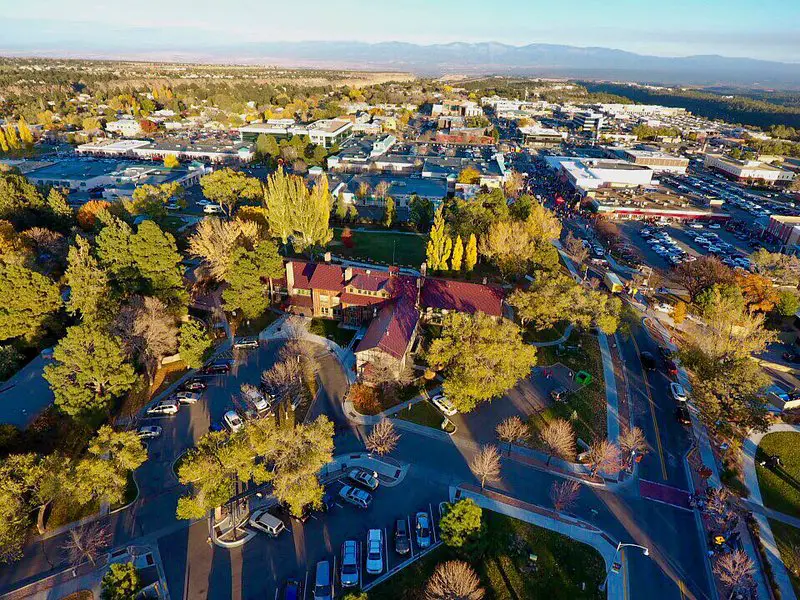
386, 548
305, 586
433, 523
652, 409
682, 589
624, 574
410, 536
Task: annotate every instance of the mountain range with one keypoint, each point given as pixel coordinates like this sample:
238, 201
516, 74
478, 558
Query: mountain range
546, 60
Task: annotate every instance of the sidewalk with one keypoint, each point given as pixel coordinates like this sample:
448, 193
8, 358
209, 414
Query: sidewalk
548, 519
612, 399
767, 537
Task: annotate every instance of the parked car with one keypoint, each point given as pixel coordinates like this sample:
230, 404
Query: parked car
355, 496
233, 420
187, 397
648, 361
682, 415
245, 342
349, 574
256, 398
293, 590
262, 520
364, 478
402, 543
323, 587
217, 368
169, 406
375, 551
195, 384
671, 367
677, 391
212, 209
444, 405
423, 531
149, 432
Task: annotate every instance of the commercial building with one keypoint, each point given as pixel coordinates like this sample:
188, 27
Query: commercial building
628, 204
492, 173
748, 171
391, 305
586, 175
535, 136
786, 230
658, 161
359, 153
124, 127
325, 132
113, 177
206, 150
588, 121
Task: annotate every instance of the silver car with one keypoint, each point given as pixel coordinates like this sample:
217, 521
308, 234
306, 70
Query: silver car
350, 575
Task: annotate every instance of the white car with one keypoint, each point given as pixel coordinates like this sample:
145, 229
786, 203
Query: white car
187, 397
375, 551
444, 405
212, 209
164, 407
677, 392
664, 307
233, 420
696, 225
149, 432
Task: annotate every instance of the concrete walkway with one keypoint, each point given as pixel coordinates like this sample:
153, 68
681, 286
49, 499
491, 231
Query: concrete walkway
548, 519
559, 341
767, 537
612, 398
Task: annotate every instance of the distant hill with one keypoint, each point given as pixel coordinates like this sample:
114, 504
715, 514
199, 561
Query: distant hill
547, 60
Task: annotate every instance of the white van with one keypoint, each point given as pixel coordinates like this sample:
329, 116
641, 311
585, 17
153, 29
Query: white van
266, 522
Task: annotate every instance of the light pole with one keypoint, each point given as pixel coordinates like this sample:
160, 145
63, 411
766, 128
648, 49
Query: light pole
620, 546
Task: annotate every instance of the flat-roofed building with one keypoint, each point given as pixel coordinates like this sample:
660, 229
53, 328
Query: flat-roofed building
588, 174
125, 127
658, 161
749, 171
785, 229
536, 136
210, 150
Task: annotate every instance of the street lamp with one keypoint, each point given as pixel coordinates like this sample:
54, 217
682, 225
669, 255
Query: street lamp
620, 546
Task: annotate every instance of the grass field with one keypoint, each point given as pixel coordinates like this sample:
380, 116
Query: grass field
586, 408
564, 569
423, 413
780, 490
400, 248
788, 540
330, 329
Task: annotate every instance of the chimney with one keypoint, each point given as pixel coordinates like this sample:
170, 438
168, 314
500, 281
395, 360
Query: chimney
394, 271
368, 272
348, 274
327, 257
289, 276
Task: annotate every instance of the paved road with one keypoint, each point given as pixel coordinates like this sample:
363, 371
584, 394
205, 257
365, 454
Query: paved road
195, 570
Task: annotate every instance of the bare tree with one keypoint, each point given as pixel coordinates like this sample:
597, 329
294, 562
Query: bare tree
512, 430
284, 379
559, 438
564, 494
454, 580
86, 543
382, 189
148, 331
575, 248
718, 506
604, 456
485, 465
383, 438
735, 571
633, 442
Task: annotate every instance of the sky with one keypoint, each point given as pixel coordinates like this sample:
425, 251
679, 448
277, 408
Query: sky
766, 29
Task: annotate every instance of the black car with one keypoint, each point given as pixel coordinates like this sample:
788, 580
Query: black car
682, 415
195, 384
402, 543
648, 361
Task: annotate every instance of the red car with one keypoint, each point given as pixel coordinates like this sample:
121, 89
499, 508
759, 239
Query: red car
672, 368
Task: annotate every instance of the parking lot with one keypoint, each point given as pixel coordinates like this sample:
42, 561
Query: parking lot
265, 564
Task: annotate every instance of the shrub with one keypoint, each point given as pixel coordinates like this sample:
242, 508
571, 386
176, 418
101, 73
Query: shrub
365, 399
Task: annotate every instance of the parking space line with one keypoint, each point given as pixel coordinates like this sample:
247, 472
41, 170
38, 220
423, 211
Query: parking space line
386, 548
433, 523
333, 578
276, 593
410, 535
305, 586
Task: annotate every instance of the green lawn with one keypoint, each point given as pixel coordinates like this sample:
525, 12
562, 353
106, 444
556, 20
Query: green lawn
254, 326
781, 490
544, 335
565, 569
406, 249
423, 413
788, 540
586, 408
330, 329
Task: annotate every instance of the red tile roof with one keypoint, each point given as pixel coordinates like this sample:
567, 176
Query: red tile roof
359, 300
328, 277
392, 329
302, 274
297, 300
371, 283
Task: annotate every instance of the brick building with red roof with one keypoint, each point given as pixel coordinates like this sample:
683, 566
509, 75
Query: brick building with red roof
390, 303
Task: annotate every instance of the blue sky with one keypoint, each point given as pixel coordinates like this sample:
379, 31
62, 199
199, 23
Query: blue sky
768, 29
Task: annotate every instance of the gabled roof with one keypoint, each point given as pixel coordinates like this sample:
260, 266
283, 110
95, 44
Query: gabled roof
370, 283
327, 277
391, 330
